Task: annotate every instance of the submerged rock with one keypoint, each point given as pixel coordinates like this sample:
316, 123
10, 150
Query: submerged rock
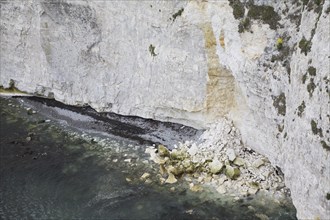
171, 179
145, 176
222, 189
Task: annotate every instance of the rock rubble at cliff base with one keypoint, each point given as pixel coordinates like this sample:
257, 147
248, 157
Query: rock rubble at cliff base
219, 160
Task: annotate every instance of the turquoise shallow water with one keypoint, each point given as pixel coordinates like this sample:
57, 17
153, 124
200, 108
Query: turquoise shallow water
60, 175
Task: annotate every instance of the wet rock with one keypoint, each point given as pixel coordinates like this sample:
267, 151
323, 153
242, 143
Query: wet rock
171, 179
232, 172
148, 181
258, 163
162, 169
251, 208
195, 188
231, 154
215, 166
145, 176
29, 111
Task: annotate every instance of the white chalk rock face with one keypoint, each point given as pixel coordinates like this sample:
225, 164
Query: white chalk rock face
264, 65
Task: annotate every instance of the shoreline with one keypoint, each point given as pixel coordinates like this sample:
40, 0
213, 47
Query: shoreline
201, 178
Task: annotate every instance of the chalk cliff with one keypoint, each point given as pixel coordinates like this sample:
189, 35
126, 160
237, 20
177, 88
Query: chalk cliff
264, 64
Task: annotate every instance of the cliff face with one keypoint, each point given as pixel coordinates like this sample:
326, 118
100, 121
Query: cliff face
264, 66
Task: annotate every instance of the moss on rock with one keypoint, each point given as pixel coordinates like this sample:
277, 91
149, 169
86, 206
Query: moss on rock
305, 46
312, 71
311, 87
238, 8
326, 147
266, 14
279, 102
301, 108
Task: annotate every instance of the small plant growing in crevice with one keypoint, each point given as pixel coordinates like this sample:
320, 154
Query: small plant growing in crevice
315, 129
326, 147
280, 128
305, 46
279, 43
152, 50
304, 77
301, 108
312, 71
279, 102
177, 14
311, 87
244, 25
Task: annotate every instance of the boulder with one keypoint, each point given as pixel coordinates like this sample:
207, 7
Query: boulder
232, 172
215, 166
163, 151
